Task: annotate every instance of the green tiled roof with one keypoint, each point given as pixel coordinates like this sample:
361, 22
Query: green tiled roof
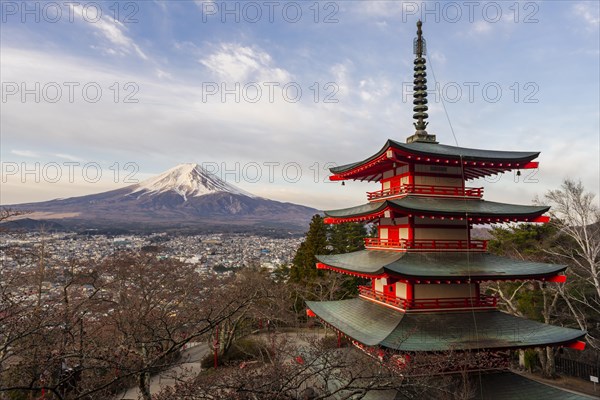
373, 324
496, 386
362, 320
439, 265
442, 206
468, 154
509, 386
441, 150
364, 209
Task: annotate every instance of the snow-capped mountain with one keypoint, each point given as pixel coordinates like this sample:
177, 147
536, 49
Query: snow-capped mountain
187, 180
186, 197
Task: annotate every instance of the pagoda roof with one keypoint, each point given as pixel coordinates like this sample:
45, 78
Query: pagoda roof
438, 265
377, 325
477, 162
510, 386
428, 206
503, 385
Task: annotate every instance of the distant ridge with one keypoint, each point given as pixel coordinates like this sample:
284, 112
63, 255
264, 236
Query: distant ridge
186, 197
29, 224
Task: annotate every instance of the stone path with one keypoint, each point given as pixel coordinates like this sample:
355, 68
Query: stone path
187, 368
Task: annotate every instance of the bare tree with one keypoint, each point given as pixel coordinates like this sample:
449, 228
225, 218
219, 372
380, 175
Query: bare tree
530, 299
299, 367
87, 329
8, 213
577, 218
271, 309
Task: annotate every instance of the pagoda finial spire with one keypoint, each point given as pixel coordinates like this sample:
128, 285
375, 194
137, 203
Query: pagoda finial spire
420, 91
419, 41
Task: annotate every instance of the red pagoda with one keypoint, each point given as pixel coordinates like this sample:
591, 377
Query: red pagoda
424, 268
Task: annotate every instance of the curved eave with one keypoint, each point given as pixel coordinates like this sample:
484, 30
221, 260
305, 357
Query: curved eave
480, 278
352, 272
363, 212
463, 153
441, 267
346, 168
475, 211
369, 263
464, 208
376, 325
477, 163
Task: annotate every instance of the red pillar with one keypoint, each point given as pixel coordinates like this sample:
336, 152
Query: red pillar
410, 294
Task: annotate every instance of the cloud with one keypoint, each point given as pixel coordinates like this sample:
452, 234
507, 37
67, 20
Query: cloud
161, 4
161, 74
480, 27
341, 77
589, 12
381, 9
25, 153
373, 90
171, 123
438, 57
68, 157
483, 28
112, 30
233, 62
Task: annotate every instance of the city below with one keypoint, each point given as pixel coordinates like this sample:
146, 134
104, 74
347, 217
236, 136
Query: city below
210, 254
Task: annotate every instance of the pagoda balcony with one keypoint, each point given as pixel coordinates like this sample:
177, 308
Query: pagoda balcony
426, 244
482, 302
447, 191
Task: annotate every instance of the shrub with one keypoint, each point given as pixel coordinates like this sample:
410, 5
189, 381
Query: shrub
530, 359
241, 350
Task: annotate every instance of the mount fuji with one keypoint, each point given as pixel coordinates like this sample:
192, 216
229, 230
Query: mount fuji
186, 198
186, 180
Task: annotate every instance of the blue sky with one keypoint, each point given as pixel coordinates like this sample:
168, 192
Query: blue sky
318, 83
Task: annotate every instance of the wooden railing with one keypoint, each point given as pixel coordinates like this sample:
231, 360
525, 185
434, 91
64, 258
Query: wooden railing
428, 245
426, 190
482, 301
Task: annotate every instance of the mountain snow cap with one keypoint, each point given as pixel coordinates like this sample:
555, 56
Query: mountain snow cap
187, 180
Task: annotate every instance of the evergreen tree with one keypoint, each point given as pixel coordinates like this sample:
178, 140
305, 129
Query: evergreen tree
346, 238
313, 284
304, 264
281, 274
527, 241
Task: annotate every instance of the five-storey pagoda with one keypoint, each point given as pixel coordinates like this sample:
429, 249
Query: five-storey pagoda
424, 268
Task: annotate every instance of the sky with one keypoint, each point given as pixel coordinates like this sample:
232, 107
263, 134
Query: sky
269, 94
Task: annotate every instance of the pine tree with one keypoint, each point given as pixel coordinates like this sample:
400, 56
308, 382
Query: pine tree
346, 238
323, 239
304, 264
